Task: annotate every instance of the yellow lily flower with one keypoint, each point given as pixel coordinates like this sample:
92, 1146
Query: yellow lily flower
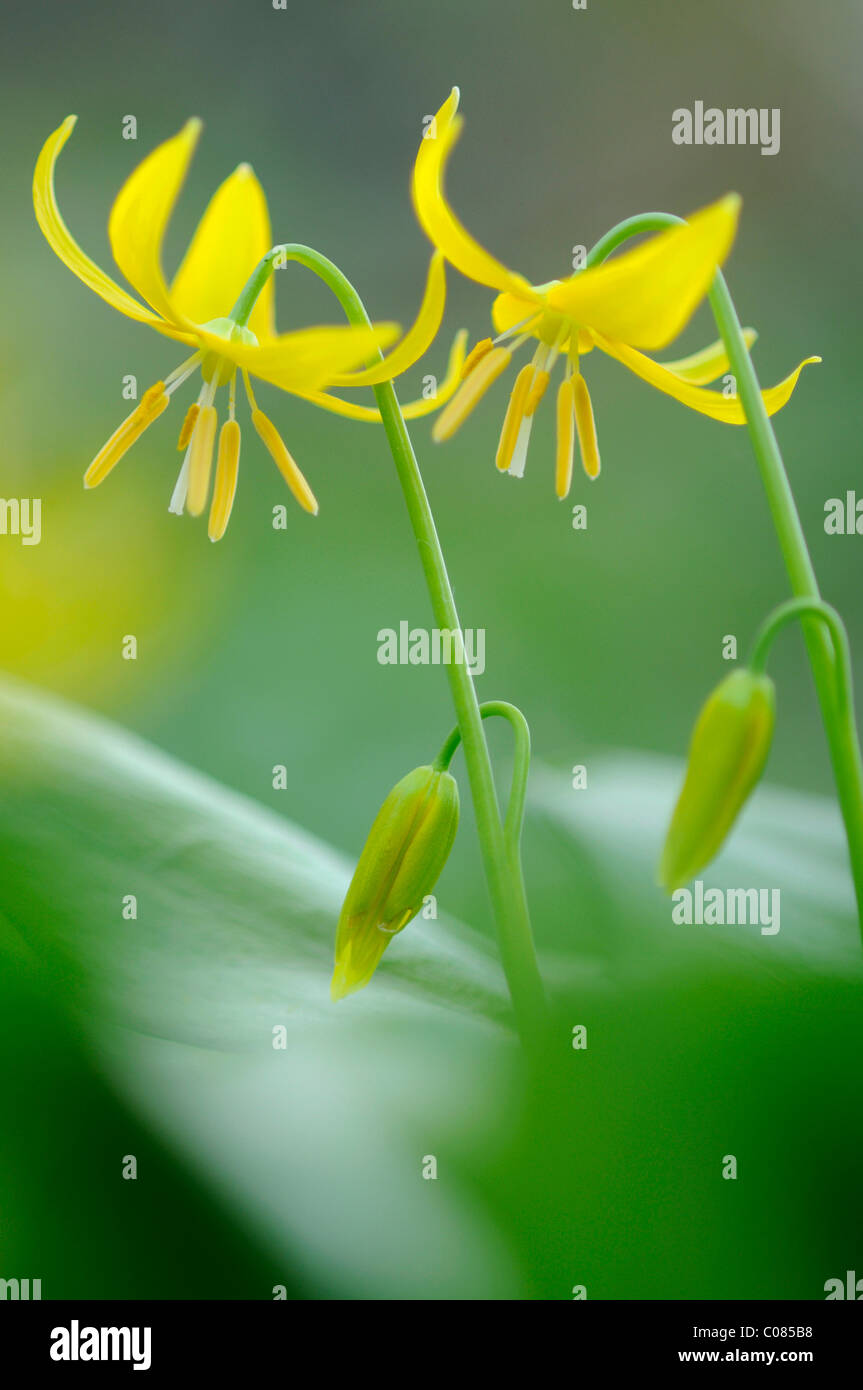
232, 238
642, 298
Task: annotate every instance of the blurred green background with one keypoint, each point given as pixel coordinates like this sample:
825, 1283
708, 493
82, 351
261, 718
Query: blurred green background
262, 650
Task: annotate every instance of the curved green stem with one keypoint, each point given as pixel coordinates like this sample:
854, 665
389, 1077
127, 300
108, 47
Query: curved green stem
503, 871
249, 293
801, 607
520, 766
842, 737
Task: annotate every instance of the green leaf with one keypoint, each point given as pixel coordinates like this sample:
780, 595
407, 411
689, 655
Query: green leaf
609, 838
320, 1143
703, 1041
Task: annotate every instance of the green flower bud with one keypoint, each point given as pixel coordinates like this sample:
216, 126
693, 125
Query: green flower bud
407, 848
729, 748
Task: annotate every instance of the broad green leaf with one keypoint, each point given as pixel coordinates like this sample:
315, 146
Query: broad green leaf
320, 1142
703, 1040
611, 836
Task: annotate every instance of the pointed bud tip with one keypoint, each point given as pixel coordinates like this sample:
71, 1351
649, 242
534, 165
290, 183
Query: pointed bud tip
727, 754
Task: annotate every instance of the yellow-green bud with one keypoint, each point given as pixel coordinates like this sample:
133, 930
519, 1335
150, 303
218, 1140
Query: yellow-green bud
407, 848
729, 748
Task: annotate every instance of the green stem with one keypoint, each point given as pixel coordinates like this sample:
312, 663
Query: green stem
842, 737
520, 766
255, 283
503, 871
788, 613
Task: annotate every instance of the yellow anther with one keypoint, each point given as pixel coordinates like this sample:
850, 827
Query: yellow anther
201, 460
476, 354
586, 426
471, 392
565, 438
188, 426
148, 409
284, 462
536, 393
515, 413
225, 486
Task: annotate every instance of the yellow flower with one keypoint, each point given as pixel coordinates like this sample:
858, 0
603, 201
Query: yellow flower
231, 240
640, 299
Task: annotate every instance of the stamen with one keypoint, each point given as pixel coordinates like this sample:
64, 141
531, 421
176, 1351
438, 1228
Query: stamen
183, 372
536, 392
250, 395
476, 354
148, 409
181, 486
284, 462
516, 327
188, 426
515, 413
471, 391
586, 426
566, 331
565, 438
519, 457
201, 459
225, 487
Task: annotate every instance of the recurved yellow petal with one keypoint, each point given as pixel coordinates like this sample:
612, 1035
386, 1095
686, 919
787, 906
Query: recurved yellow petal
511, 310
424, 405
140, 214
65, 246
232, 237
437, 218
418, 338
307, 359
647, 296
707, 365
726, 409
